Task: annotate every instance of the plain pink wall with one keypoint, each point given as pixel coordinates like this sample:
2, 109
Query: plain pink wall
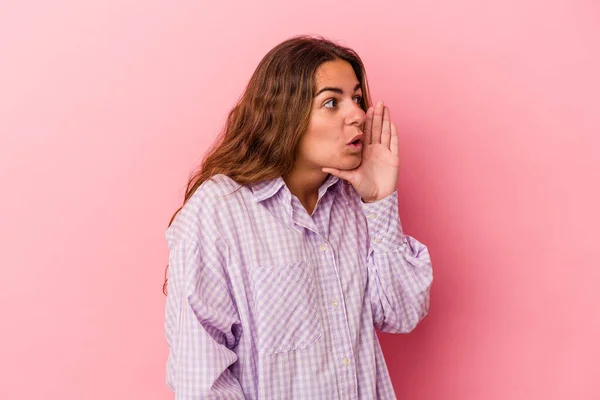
106, 106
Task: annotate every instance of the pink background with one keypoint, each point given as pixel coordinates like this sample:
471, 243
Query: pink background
106, 106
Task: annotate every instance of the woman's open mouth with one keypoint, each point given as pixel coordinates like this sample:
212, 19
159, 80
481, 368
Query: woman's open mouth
356, 143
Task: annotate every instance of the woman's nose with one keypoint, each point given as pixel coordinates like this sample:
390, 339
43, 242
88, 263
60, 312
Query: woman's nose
356, 115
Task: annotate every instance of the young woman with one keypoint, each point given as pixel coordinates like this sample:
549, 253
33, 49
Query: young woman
288, 251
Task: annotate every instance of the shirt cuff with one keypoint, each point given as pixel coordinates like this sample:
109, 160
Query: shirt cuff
383, 222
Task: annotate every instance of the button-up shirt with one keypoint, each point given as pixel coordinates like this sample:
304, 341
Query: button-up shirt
266, 301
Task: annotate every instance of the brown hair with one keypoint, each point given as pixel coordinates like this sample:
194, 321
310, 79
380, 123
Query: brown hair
262, 131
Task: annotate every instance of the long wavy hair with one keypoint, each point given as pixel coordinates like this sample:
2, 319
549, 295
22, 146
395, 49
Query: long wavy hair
262, 132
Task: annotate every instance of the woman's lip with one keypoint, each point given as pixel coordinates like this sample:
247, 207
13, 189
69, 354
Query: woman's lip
356, 146
360, 137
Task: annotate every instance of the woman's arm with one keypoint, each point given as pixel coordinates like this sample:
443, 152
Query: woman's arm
399, 270
201, 321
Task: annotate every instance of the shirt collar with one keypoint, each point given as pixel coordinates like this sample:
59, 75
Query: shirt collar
329, 182
266, 189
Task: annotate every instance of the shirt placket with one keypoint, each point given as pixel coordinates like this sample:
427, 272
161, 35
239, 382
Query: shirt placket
343, 352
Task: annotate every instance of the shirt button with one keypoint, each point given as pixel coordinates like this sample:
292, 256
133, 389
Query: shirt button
379, 240
372, 216
346, 361
324, 247
334, 303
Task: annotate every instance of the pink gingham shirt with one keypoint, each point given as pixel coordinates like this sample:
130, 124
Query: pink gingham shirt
268, 302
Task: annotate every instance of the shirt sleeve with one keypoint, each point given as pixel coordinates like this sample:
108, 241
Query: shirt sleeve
201, 321
399, 270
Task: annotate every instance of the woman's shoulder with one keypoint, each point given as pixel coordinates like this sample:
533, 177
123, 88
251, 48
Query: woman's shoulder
205, 209
214, 188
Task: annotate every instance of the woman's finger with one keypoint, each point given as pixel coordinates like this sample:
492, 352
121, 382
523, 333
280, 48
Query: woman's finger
385, 129
342, 174
368, 126
377, 122
394, 140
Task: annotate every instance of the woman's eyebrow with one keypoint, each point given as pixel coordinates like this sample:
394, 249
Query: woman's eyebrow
336, 90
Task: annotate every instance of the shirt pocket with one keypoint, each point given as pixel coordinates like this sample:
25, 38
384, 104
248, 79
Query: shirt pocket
286, 308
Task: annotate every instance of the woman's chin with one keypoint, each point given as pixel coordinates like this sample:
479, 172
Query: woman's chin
348, 165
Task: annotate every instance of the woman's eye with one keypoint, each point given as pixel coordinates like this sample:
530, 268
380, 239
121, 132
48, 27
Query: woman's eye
332, 102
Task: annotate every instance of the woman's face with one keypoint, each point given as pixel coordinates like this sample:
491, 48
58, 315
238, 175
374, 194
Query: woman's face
334, 136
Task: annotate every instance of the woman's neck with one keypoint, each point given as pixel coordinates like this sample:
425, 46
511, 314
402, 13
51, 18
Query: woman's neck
305, 184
